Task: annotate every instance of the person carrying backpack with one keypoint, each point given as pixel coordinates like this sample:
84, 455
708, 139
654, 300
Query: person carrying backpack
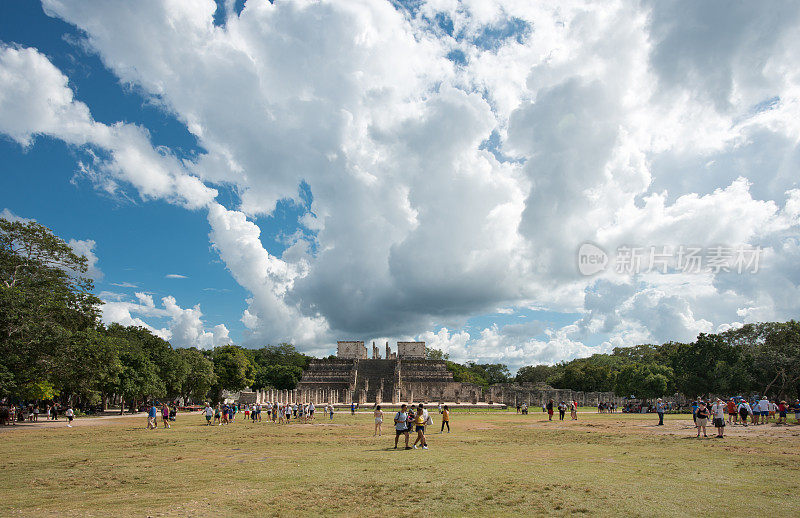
400, 425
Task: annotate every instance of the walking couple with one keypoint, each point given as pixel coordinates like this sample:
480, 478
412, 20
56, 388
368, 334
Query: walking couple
405, 419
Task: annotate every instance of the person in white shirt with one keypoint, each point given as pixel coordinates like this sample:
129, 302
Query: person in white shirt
718, 411
763, 407
70, 415
744, 411
311, 409
209, 414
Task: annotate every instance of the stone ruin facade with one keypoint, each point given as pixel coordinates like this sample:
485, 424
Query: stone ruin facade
351, 349
407, 376
411, 350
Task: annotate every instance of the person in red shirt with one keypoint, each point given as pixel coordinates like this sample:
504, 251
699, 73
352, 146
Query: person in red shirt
782, 409
732, 412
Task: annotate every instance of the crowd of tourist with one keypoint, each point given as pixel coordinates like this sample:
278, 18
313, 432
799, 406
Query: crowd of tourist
562, 408
12, 414
739, 410
280, 413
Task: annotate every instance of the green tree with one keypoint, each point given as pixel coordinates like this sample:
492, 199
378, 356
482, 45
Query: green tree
233, 369
436, 354
199, 378
277, 376
534, 373
44, 298
645, 381
698, 364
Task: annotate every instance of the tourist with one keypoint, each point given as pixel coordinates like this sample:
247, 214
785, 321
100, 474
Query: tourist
151, 417
718, 411
600, 407
562, 409
165, 415
445, 419
701, 418
797, 411
732, 411
12, 414
70, 416
218, 415
55, 412
550, 410
36, 413
518, 408
782, 409
330, 411
209, 414
173, 412
763, 406
773, 408
378, 420
247, 411
744, 411
440, 407
311, 409
352, 408
401, 425
694, 411
573, 408
420, 421
660, 412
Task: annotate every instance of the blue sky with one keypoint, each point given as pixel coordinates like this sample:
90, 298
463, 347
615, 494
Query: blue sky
314, 171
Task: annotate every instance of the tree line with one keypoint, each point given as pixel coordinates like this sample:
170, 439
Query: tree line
760, 358
53, 345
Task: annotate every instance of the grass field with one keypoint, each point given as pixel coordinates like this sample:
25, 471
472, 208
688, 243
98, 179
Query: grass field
493, 463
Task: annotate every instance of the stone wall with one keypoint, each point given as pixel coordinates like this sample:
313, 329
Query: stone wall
369, 381
411, 350
351, 349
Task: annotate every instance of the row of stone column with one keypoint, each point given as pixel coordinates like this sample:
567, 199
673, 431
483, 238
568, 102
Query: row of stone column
318, 396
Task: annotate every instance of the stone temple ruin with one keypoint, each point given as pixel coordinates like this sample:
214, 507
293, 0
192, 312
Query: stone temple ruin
406, 376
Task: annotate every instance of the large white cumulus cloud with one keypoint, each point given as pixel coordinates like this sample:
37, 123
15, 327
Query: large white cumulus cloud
458, 153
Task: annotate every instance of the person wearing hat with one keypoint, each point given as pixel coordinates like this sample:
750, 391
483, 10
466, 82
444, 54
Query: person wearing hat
660, 411
744, 411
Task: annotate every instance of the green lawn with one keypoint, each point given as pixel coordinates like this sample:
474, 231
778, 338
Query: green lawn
494, 463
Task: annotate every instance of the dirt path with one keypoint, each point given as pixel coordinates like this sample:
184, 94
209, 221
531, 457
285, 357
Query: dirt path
77, 422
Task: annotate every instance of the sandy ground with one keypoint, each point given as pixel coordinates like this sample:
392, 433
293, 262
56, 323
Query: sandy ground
681, 426
62, 422
609, 423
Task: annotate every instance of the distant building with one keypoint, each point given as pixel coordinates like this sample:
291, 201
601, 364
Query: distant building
355, 350
411, 350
